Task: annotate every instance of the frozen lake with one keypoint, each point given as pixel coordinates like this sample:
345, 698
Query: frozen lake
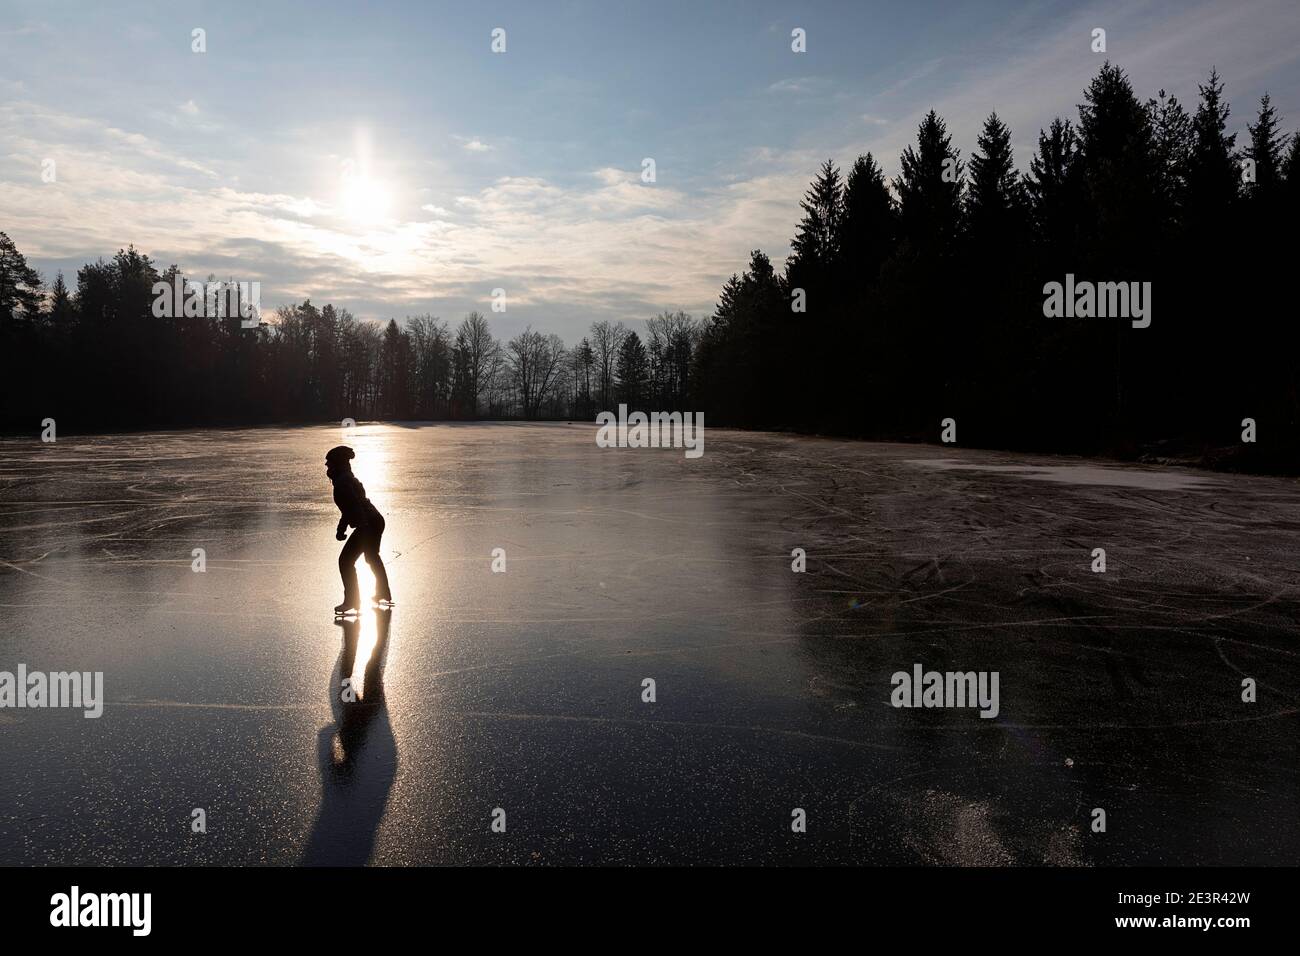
523, 690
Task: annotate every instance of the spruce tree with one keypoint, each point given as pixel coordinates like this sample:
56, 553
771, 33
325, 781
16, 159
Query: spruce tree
1055, 188
20, 284
1173, 138
632, 369
1266, 150
995, 200
930, 188
61, 312
868, 227
1213, 176
814, 247
1116, 145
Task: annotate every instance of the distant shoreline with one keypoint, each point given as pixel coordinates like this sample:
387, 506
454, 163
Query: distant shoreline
1168, 454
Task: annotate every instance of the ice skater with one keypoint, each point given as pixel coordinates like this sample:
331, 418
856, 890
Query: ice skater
358, 512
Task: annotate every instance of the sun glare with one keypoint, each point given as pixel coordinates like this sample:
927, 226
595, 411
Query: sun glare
371, 469
368, 637
364, 200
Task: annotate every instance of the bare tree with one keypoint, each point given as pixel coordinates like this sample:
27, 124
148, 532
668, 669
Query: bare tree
535, 361
607, 340
498, 384
670, 342
431, 345
478, 352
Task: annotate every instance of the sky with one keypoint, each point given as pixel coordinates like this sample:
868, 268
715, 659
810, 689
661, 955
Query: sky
381, 156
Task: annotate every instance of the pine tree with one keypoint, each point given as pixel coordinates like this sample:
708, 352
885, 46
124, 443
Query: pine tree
868, 227
394, 371
632, 370
1265, 150
61, 311
816, 238
1213, 176
1172, 140
728, 303
1055, 188
930, 189
995, 199
20, 284
1117, 149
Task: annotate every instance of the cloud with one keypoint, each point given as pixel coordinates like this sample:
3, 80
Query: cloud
27, 30
272, 203
473, 145
604, 245
800, 84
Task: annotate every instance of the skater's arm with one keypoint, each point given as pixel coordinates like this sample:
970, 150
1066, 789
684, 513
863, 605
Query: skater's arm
350, 496
343, 495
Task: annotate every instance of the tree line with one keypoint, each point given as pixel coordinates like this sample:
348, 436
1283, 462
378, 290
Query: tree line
902, 302
923, 297
98, 357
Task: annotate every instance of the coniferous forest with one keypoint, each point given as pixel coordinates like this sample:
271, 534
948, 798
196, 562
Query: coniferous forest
903, 302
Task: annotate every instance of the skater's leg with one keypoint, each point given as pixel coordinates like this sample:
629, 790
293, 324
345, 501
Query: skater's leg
348, 569
376, 563
382, 592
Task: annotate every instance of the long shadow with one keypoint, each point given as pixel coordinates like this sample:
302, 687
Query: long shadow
357, 756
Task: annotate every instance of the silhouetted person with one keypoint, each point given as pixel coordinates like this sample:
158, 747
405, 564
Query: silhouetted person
359, 513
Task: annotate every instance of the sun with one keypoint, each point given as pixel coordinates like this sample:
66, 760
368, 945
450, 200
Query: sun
364, 200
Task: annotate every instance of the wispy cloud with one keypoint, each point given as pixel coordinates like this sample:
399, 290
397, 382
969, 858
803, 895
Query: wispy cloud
473, 144
801, 84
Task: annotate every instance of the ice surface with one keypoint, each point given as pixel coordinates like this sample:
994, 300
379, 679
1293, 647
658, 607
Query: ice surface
1156, 479
523, 690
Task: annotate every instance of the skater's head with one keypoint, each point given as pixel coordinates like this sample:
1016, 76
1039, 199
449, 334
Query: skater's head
337, 460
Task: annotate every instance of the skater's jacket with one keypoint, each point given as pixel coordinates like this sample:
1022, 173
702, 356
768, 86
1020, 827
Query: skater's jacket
350, 496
